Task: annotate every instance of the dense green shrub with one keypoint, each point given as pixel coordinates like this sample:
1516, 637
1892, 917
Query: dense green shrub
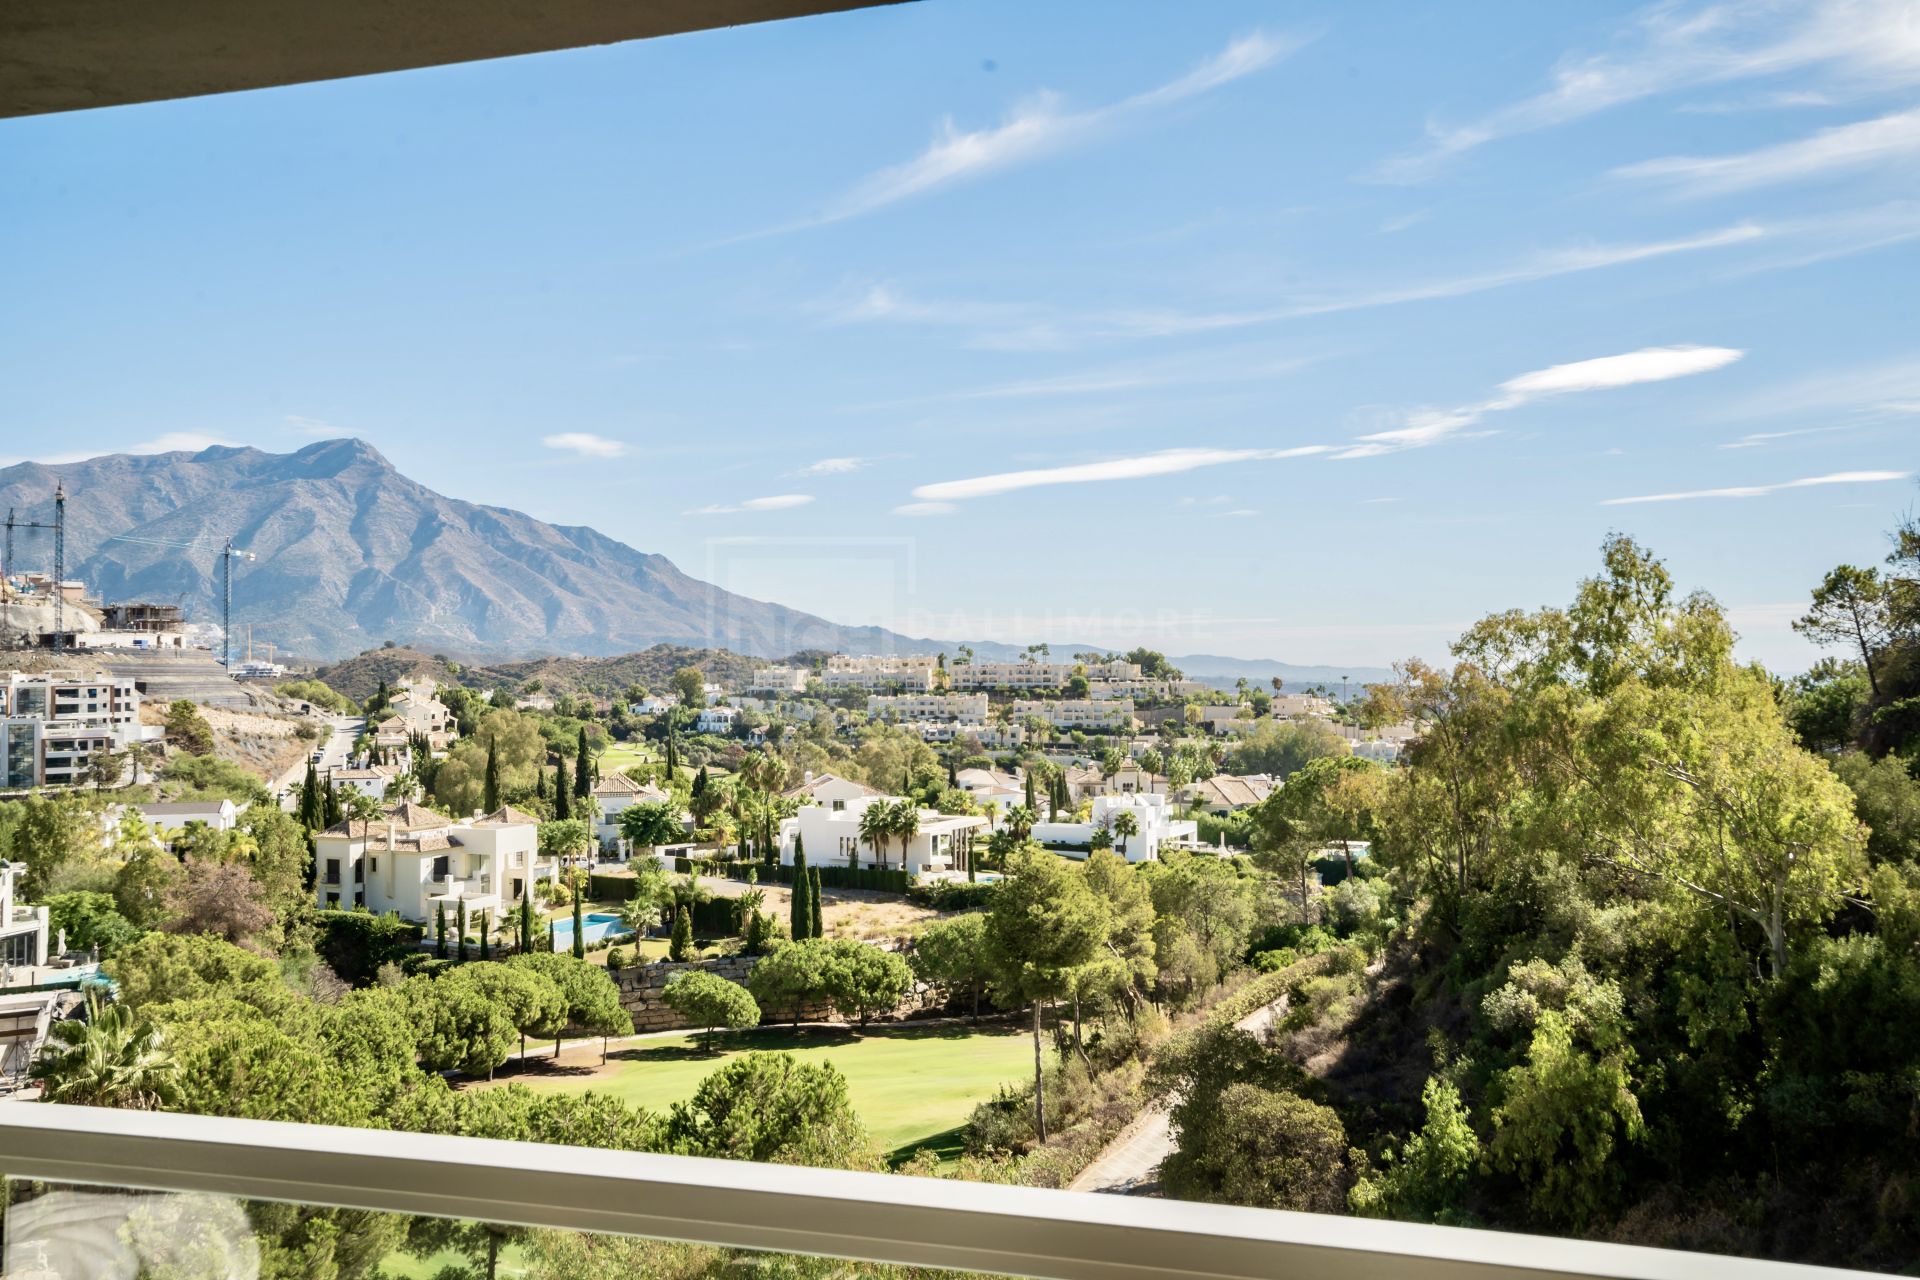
356, 943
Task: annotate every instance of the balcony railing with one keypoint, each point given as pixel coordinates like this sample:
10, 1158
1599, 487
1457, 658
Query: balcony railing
828, 1213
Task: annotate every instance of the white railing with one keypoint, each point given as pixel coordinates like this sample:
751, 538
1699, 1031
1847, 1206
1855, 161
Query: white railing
830, 1213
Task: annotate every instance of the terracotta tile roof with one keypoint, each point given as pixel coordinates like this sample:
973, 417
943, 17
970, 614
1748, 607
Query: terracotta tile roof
809, 787
507, 816
617, 784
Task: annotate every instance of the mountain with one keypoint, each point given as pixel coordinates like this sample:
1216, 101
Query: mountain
346, 550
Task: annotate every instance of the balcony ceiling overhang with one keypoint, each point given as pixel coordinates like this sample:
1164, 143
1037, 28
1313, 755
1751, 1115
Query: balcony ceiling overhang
73, 55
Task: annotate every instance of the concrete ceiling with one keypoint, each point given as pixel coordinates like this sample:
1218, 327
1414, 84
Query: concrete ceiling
72, 55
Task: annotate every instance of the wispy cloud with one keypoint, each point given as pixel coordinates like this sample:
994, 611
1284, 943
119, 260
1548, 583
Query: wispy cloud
833, 466
171, 442
1037, 127
773, 502
1780, 100
1863, 144
1866, 43
1164, 463
1759, 438
1650, 364
585, 444
1014, 326
1762, 490
1393, 226
925, 509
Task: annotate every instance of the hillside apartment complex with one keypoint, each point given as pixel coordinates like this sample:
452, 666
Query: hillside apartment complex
53, 724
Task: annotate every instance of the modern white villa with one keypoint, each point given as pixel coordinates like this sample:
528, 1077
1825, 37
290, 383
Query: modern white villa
414, 861
1152, 814
830, 833
23, 929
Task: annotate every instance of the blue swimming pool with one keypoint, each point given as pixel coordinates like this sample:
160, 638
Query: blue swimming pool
599, 926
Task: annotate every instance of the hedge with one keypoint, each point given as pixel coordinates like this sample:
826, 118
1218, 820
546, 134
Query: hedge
608, 885
1265, 989
832, 876
356, 943
953, 895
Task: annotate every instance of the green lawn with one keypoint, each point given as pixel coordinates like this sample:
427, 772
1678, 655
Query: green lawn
911, 1086
621, 755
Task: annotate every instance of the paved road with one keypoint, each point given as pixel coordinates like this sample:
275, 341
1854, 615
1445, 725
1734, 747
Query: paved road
1130, 1164
334, 751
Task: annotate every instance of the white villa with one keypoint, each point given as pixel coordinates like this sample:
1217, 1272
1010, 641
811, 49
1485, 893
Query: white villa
831, 834
1152, 813
718, 719
370, 781
616, 793
173, 818
413, 861
830, 790
23, 929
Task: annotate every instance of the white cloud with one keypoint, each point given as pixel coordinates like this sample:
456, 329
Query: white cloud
1038, 127
1780, 100
585, 444
833, 466
773, 502
1164, 463
1649, 364
1866, 44
925, 509
170, 442
1864, 143
1759, 438
1762, 490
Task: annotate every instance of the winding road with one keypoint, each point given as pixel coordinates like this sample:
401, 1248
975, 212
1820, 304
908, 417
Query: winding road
1130, 1164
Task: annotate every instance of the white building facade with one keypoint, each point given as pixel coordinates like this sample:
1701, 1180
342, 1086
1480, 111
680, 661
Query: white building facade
414, 861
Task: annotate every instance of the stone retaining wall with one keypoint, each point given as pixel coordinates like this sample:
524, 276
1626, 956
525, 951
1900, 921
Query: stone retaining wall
642, 987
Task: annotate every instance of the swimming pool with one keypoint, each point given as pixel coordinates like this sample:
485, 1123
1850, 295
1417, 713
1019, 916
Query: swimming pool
598, 925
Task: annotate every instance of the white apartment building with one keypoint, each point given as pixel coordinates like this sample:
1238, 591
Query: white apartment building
778, 680
879, 673
1027, 673
1378, 750
1078, 713
1231, 719
831, 835
23, 929
1299, 706
1153, 814
1143, 688
414, 861
950, 708
52, 725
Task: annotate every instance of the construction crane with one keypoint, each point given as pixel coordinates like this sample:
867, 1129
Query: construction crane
59, 527
228, 554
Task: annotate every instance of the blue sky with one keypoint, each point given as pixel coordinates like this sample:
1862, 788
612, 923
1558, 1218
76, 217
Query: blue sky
1301, 331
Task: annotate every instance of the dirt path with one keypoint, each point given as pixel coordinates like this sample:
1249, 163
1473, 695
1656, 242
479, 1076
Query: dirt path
1130, 1164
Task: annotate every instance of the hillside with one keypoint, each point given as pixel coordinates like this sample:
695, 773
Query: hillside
346, 550
359, 676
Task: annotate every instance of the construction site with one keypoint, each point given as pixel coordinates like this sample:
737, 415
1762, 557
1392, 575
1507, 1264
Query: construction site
153, 643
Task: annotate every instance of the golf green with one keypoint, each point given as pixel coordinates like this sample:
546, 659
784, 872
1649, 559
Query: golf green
908, 1084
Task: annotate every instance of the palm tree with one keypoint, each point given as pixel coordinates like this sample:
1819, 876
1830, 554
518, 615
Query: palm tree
1125, 825
362, 808
1020, 820
903, 821
111, 1059
876, 825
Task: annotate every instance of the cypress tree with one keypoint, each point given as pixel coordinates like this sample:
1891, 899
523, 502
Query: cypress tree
486, 928
673, 764
329, 805
953, 773
310, 798
562, 808
526, 923
440, 931
680, 948
579, 929
700, 783
460, 928
1030, 804
540, 783
553, 941
583, 766
799, 914
490, 795
814, 928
